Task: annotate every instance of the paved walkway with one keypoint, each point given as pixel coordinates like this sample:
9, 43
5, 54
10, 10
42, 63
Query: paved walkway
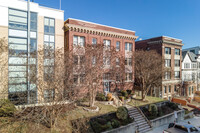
194, 121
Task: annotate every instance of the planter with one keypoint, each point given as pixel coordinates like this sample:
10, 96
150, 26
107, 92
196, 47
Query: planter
130, 128
91, 110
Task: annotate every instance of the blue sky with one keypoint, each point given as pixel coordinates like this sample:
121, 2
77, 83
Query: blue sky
149, 18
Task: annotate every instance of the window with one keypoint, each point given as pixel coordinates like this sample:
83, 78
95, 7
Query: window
193, 51
192, 90
194, 65
169, 88
177, 74
107, 43
75, 59
79, 41
93, 60
117, 62
106, 60
118, 77
82, 59
177, 51
17, 19
189, 90
177, 63
75, 79
167, 63
128, 46
49, 95
94, 41
49, 48
117, 46
167, 50
33, 21
106, 76
167, 75
49, 25
165, 89
128, 61
187, 65
128, 76
82, 78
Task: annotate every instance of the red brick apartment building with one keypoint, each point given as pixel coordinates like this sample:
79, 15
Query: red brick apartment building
170, 49
82, 33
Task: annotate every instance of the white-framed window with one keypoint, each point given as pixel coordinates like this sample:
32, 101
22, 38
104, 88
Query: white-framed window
177, 51
128, 46
167, 75
194, 65
93, 60
128, 61
165, 89
167, 50
129, 76
107, 43
187, 65
117, 62
94, 41
106, 61
79, 41
117, 46
177, 74
177, 63
169, 88
167, 63
106, 76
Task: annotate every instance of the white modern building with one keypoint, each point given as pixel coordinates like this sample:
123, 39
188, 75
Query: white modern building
46, 30
190, 73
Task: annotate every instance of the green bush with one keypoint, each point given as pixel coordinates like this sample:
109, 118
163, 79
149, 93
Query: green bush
115, 123
160, 112
129, 92
153, 109
7, 108
100, 97
124, 93
122, 113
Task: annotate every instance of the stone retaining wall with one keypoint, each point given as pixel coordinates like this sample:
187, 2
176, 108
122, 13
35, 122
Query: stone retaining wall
130, 128
169, 118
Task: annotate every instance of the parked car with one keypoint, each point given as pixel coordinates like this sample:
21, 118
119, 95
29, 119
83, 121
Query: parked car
178, 128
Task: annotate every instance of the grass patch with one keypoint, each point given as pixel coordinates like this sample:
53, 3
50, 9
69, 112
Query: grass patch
149, 100
7, 125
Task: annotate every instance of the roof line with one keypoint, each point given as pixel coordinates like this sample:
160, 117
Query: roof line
100, 24
172, 37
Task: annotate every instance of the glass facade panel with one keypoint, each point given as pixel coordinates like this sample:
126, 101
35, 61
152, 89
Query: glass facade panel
18, 53
17, 40
17, 60
17, 13
17, 68
17, 33
17, 80
18, 47
17, 74
17, 88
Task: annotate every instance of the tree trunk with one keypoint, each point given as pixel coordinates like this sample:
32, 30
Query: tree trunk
143, 95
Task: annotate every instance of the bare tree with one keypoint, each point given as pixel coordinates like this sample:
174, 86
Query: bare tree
91, 65
148, 70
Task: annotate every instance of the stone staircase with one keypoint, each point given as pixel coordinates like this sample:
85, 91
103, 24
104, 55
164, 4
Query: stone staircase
142, 123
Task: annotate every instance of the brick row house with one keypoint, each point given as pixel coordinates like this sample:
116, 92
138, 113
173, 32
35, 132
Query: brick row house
84, 33
170, 50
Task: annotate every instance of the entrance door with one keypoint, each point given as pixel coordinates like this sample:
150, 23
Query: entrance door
106, 86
